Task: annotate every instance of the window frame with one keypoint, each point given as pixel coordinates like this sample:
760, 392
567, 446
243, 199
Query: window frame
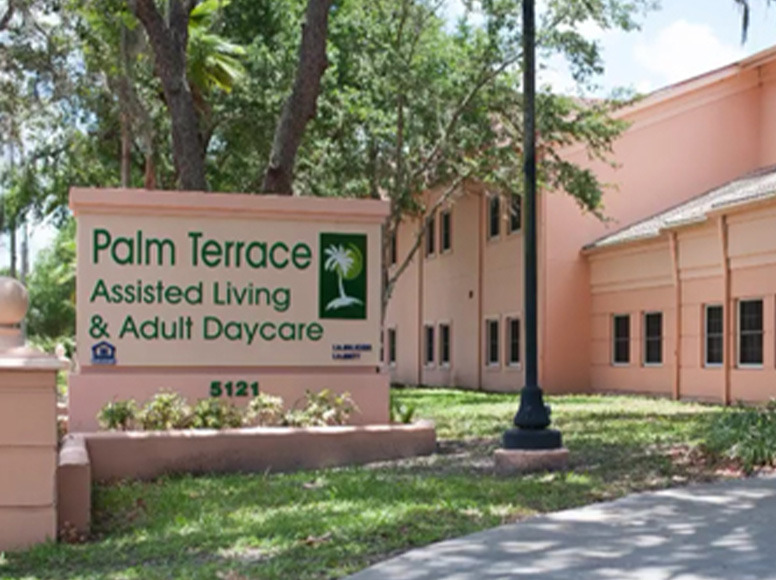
645, 338
508, 342
494, 199
614, 340
516, 199
739, 335
390, 346
429, 349
393, 250
706, 336
489, 363
430, 243
446, 215
445, 364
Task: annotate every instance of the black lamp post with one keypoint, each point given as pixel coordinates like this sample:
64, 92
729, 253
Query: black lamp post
533, 417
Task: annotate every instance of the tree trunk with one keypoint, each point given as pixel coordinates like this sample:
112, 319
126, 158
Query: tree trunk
300, 106
169, 40
12, 249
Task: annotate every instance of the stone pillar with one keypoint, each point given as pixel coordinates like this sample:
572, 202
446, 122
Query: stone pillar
28, 429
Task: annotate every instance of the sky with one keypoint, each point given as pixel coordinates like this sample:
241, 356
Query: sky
682, 39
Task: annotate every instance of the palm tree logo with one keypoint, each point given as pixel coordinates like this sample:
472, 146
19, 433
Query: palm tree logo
347, 262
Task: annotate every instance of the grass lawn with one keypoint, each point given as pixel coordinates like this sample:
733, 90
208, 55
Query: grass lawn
327, 524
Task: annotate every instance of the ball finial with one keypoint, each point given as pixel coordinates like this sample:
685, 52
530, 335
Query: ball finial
13, 301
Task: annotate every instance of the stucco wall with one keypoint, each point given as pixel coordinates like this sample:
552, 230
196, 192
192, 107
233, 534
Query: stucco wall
639, 277
673, 151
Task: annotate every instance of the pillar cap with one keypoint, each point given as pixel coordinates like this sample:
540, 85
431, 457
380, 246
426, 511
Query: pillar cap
14, 301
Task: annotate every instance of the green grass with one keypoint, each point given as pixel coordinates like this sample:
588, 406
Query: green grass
330, 523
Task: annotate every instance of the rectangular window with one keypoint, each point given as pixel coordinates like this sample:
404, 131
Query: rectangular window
513, 341
393, 252
494, 217
492, 338
516, 214
446, 236
621, 346
429, 342
653, 338
391, 346
430, 235
444, 344
750, 332
714, 329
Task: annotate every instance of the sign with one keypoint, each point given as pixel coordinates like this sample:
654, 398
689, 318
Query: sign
235, 289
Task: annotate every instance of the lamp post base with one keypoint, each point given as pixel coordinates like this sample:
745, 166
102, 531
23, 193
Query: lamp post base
532, 439
517, 461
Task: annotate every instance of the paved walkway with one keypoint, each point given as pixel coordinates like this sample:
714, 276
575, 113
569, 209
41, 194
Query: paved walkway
722, 531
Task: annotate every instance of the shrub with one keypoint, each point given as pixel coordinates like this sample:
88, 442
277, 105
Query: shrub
216, 414
401, 412
118, 415
321, 409
265, 410
165, 411
744, 434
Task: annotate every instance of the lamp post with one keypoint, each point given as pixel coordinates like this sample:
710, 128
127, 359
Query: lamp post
533, 418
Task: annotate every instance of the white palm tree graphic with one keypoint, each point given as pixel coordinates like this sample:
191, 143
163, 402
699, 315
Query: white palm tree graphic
347, 264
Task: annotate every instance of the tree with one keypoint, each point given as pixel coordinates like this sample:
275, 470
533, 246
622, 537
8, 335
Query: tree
745, 15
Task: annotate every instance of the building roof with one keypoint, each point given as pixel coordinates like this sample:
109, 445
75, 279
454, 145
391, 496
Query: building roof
751, 187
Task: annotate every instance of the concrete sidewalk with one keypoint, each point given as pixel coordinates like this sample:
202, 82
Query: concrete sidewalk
721, 531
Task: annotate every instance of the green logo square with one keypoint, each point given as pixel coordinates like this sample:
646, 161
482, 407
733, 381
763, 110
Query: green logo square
342, 282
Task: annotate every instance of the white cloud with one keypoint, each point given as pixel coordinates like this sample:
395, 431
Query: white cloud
684, 49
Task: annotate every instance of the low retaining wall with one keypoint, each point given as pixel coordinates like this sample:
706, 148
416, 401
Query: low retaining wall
110, 456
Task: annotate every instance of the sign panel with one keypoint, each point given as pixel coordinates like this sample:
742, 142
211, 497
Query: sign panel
166, 290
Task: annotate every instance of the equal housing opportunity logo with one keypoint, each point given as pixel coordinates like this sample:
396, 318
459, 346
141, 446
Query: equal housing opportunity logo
342, 271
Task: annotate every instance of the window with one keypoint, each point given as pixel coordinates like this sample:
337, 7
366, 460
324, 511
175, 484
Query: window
446, 242
516, 214
492, 338
750, 332
391, 346
444, 344
430, 235
393, 251
714, 325
621, 346
513, 341
653, 338
429, 332
494, 217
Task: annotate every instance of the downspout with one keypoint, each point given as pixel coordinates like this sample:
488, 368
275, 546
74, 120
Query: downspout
727, 309
678, 316
480, 285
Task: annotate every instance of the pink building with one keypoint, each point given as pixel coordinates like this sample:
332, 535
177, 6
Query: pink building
675, 295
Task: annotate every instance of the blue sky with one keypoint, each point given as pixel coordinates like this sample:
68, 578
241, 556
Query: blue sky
682, 39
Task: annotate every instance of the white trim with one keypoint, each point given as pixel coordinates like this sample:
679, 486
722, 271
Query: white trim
613, 341
739, 364
705, 335
644, 362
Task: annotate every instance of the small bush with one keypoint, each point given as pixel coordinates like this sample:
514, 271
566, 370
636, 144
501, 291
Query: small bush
216, 414
321, 409
118, 415
165, 411
401, 412
743, 434
265, 411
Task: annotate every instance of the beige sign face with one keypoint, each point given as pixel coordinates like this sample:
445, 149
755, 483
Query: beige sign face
194, 291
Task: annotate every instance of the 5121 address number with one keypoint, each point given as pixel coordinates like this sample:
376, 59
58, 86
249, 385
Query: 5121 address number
234, 389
